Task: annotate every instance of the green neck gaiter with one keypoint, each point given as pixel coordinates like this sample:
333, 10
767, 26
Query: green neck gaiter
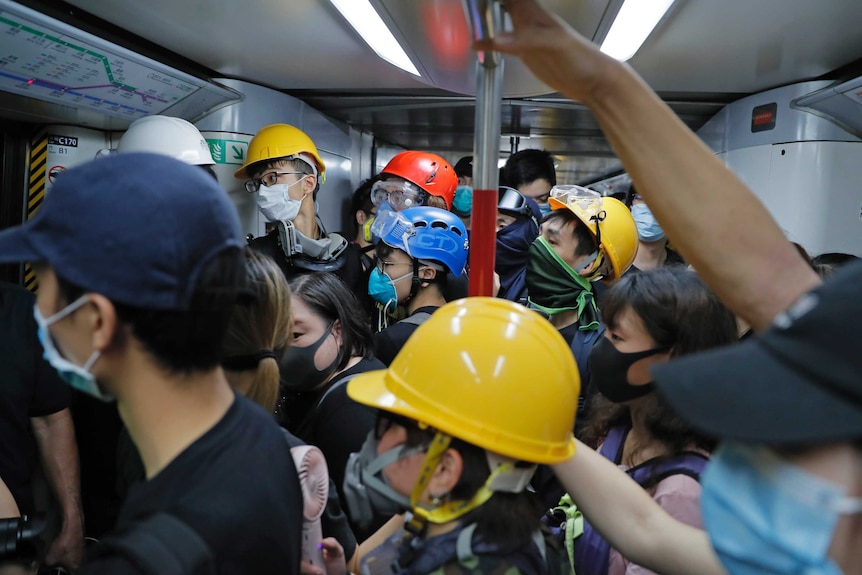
554, 287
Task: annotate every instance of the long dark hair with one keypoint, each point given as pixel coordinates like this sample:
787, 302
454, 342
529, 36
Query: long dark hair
680, 311
330, 298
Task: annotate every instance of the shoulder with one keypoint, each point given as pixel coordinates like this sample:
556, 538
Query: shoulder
679, 496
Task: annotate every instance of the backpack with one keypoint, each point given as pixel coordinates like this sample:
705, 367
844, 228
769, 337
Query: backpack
588, 551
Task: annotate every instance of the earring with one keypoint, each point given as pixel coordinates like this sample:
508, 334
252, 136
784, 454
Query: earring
436, 500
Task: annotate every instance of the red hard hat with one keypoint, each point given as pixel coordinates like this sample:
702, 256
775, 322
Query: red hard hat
428, 171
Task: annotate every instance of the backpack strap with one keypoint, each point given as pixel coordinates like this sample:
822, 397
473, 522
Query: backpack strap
310, 417
650, 473
417, 318
341, 382
162, 544
612, 447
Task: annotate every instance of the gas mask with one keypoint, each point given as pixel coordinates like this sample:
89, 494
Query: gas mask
367, 494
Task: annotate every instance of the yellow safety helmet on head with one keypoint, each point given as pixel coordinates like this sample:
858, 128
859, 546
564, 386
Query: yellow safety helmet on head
489, 372
608, 219
281, 141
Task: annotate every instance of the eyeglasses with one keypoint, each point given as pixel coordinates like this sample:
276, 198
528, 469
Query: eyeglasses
269, 179
381, 265
400, 194
512, 202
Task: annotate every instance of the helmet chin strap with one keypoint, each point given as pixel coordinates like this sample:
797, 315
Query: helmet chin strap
500, 479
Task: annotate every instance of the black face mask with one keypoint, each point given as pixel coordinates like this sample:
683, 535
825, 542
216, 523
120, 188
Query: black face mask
609, 369
298, 371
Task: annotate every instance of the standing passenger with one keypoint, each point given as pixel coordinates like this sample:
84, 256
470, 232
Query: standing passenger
462, 204
132, 309
332, 342
583, 239
417, 249
458, 437
650, 318
517, 228
653, 250
412, 179
35, 420
284, 169
532, 173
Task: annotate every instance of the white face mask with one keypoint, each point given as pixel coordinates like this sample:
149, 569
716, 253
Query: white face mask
275, 203
78, 377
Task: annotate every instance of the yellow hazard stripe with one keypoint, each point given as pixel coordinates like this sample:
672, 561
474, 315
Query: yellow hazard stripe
36, 190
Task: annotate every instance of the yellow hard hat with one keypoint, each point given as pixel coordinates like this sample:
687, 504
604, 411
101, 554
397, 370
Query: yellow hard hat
608, 219
280, 141
487, 371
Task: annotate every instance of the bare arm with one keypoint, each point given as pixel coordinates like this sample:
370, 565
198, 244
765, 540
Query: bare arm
55, 436
8, 507
631, 521
711, 216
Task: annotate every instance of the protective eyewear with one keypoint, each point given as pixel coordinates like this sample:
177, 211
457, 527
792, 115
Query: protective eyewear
513, 203
394, 229
268, 180
381, 265
584, 202
400, 194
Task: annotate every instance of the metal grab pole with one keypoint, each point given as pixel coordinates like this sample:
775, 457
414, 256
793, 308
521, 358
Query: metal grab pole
486, 19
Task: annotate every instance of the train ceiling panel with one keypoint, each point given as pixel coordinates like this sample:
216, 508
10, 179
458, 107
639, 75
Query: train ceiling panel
703, 55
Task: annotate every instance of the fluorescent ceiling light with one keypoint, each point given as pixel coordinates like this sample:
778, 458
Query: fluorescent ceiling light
367, 22
632, 26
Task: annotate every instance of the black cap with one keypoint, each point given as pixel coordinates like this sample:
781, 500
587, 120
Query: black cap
464, 167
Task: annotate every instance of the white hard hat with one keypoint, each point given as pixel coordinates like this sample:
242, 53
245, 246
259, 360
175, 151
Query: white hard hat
173, 137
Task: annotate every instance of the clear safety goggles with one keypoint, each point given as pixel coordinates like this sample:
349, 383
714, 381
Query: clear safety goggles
513, 202
394, 229
585, 203
400, 194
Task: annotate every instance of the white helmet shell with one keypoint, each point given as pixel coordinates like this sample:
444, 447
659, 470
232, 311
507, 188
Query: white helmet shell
173, 137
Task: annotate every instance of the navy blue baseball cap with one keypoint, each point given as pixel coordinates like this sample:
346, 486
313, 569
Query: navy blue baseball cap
136, 228
798, 382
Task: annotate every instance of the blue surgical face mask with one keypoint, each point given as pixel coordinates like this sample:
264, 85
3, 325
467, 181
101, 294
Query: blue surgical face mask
544, 207
275, 203
765, 515
381, 288
648, 228
462, 205
78, 377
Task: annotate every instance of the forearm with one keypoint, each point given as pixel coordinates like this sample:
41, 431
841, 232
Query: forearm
714, 220
55, 436
631, 521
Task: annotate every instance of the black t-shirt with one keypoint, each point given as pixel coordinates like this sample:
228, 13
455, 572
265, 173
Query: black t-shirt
236, 487
337, 424
389, 342
29, 387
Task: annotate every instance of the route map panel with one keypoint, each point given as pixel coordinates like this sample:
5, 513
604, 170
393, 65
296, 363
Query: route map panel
46, 59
